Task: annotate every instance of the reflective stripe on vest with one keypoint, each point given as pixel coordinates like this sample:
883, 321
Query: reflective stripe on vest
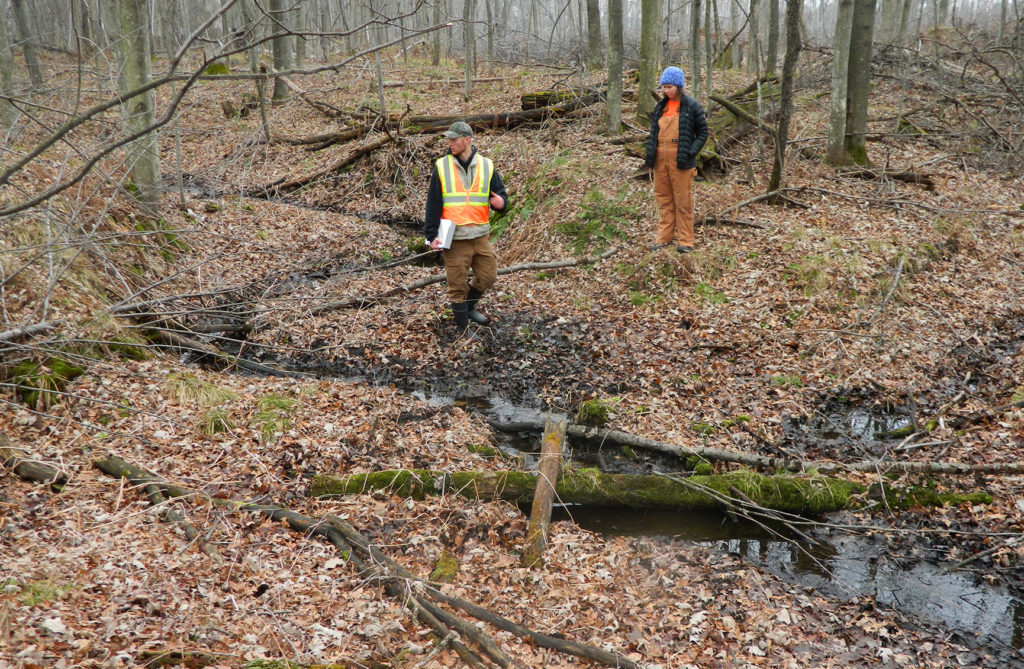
465, 207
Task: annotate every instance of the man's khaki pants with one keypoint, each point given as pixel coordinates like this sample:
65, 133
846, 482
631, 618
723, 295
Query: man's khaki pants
465, 253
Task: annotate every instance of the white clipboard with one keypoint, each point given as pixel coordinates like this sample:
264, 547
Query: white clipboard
445, 232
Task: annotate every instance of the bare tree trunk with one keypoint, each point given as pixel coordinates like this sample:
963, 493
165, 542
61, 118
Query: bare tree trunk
83, 23
139, 112
773, 37
282, 45
754, 46
299, 40
595, 55
650, 29
467, 46
695, 64
836, 152
709, 52
901, 34
716, 47
613, 105
8, 113
325, 27
253, 51
28, 46
859, 88
435, 57
490, 35
786, 107
736, 48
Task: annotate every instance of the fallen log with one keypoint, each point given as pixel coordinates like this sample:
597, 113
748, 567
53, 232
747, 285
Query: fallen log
29, 469
905, 176
399, 582
594, 488
810, 495
538, 99
418, 125
620, 438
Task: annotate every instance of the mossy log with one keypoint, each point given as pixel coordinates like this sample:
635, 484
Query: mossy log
807, 495
538, 99
739, 112
28, 469
595, 488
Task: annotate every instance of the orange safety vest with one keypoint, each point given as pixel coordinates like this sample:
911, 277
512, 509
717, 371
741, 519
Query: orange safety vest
465, 207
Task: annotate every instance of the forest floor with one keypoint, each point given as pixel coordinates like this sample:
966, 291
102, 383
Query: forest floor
862, 295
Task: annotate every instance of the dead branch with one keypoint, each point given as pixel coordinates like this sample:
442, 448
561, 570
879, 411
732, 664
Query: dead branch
322, 107
906, 176
888, 296
440, 82
31, 330
714, 219
1010, 543
719, 218
282, 186
399, 582
187, 344
366, 301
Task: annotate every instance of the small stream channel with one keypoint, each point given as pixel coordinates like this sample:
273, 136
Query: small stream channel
840, 564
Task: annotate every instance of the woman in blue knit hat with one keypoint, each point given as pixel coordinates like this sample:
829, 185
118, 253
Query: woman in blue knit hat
678, 132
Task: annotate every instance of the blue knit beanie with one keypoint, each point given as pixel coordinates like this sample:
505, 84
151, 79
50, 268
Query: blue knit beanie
673, 75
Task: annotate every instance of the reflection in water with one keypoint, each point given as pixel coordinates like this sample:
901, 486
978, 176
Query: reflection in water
847, 568
864, 426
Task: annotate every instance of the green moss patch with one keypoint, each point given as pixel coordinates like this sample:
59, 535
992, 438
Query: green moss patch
39, 383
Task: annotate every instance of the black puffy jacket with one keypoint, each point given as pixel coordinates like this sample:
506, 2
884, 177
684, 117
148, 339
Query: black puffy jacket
693, 132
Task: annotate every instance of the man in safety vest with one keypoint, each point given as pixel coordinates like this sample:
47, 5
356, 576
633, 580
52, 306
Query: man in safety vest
464, 187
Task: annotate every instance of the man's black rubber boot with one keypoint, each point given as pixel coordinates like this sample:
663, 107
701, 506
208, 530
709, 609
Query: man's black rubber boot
461, 314
471, 299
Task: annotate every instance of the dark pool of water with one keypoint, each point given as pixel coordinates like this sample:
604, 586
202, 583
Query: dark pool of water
844, 566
